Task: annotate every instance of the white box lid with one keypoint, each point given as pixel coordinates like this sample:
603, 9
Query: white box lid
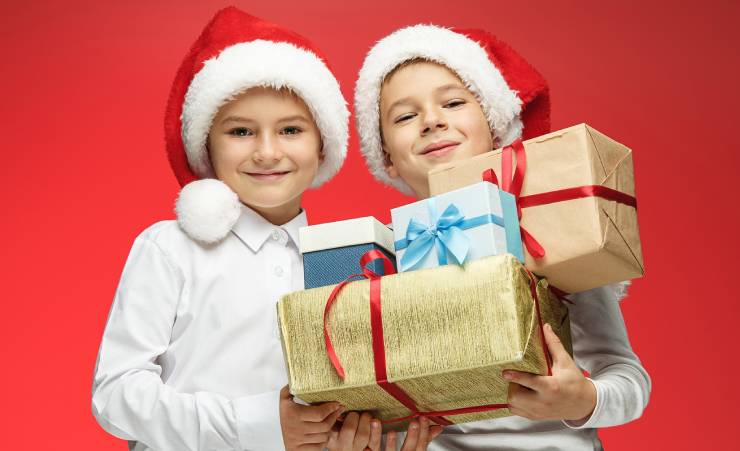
350, 232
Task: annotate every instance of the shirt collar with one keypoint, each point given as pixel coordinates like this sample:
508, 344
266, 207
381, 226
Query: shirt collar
254, 230
294, 224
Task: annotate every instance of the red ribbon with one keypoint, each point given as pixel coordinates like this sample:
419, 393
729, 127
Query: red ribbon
513, 184
378, 344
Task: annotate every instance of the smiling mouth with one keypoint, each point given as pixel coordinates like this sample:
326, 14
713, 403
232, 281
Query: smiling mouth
267, 176
439, 149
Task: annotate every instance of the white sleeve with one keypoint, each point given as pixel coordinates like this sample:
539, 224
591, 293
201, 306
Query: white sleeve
601, 347
129, 399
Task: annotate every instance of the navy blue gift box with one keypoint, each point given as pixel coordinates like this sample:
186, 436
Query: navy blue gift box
331, 252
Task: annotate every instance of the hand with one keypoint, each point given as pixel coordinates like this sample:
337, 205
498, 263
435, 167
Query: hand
356, 433
566, 395
362, 433
418, 437
306, 428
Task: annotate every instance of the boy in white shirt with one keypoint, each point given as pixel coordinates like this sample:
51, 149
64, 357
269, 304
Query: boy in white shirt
191, 357
428, 95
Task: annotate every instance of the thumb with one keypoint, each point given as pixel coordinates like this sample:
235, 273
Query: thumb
285, 393
560, 357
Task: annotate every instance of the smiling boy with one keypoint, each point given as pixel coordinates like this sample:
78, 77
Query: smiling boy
422, 94
190, 358
428, 95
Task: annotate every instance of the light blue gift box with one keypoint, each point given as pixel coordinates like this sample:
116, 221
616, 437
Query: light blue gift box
472, 222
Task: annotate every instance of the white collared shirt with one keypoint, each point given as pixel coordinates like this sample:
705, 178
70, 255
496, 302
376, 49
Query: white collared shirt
191, 357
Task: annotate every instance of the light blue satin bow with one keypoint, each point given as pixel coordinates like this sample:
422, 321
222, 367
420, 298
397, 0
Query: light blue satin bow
446, 234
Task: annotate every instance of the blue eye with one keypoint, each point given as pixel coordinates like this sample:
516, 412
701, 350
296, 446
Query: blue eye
290, 130
240, 131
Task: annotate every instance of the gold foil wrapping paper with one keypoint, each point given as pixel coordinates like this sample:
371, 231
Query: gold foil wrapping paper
448, 331
589, 242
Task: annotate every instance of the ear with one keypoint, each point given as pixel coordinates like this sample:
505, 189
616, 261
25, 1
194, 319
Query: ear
494, 141
322, 154
388, 165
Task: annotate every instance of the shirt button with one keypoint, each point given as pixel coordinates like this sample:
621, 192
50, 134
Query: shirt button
279, 271
275, 235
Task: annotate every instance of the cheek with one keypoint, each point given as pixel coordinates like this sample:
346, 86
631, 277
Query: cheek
226, 157
478, 132
399, 142
306, 155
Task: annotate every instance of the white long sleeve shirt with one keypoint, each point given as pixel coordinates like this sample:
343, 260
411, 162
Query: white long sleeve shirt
191, 357
600, 346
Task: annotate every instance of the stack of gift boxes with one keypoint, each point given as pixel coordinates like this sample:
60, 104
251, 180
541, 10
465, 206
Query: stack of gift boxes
422, 318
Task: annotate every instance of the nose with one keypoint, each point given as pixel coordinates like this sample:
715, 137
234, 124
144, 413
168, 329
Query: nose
433, 120
268, 149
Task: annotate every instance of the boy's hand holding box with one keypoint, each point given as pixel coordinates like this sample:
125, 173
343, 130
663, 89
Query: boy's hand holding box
575, 189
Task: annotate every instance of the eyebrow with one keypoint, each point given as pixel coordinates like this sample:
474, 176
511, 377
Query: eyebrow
451, 87
293, 118
235, 119
443, 88
296, 117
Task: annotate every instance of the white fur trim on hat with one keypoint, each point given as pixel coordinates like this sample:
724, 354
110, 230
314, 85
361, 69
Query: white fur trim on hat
457, 52
207, 209
269, 64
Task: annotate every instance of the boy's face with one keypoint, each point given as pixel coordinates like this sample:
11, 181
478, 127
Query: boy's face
265, 146
428, 117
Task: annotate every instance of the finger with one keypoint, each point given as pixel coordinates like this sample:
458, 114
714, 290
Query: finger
523, 402
390, 441
520, 412
324, 426
423, 433
316, 438
560, 357
412, 437
285, 393
434, 431
520, 397
349, 427
529, 380
317, 414
362, 436
333, 443
311, 447
375, 435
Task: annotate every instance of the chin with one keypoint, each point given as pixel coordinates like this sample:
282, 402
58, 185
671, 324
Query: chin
270, 203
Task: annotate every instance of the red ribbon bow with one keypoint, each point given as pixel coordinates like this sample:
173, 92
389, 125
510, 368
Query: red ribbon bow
378, 344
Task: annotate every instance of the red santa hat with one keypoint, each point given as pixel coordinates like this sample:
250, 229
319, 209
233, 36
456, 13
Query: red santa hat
513, 95
236, 52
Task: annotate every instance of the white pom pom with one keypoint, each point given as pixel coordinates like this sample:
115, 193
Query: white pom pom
207, 210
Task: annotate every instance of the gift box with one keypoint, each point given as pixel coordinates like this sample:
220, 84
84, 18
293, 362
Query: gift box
436, 338
331, 252
453, 227
575, 188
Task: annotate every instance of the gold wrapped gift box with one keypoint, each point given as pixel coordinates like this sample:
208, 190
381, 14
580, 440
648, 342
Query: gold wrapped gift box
589, 242
448, 334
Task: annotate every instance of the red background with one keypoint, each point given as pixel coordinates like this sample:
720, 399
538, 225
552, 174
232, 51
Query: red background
83, 89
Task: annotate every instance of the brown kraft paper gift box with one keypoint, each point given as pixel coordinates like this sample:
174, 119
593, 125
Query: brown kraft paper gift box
589, 242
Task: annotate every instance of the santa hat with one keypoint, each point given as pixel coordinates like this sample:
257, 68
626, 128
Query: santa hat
236, 52
513, 95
